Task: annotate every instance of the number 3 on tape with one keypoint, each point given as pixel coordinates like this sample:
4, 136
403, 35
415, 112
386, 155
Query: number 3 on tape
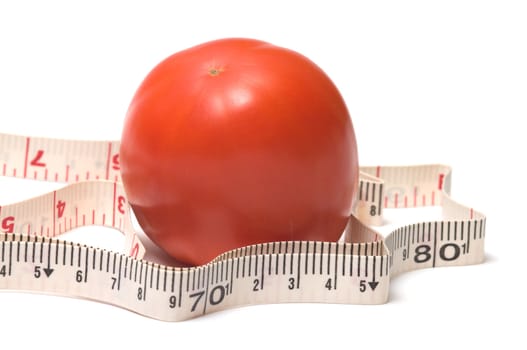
355, 270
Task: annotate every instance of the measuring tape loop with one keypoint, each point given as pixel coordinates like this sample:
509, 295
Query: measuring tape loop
356, 269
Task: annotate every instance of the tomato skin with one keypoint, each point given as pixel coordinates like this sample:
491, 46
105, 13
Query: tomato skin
235, 142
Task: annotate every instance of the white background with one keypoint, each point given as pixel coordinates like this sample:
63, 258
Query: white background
425, 82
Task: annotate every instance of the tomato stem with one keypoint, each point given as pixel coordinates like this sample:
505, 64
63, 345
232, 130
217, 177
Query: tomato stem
215, 71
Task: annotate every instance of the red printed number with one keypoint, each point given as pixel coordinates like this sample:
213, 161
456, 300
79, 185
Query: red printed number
37, 160
121, 201
135, 250
61, 205
8, 224
115, 162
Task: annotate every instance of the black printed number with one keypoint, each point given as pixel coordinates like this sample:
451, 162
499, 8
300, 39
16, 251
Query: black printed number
78, 276
362, 286
216, 296
256, 285
450, 251
172, 301
447, 252
291, 284
329, 284
422, 253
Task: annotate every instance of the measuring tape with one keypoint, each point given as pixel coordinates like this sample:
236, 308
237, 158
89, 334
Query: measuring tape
355, 270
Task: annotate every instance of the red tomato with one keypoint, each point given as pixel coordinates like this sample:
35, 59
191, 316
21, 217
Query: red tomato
235, 142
